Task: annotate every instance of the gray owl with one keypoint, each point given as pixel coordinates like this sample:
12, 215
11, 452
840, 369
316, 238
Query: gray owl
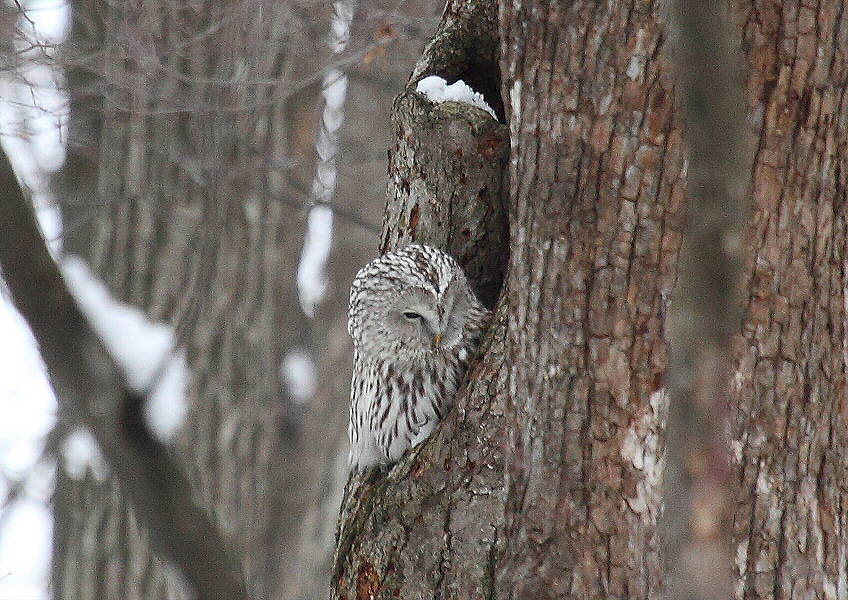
415, 324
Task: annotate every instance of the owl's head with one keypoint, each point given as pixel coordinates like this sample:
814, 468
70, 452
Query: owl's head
412, 302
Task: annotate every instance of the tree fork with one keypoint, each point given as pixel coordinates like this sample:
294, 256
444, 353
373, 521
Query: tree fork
429, 527
446, 172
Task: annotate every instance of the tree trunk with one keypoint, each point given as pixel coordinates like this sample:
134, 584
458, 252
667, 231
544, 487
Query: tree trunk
568, 393
596, 189
545, 480
429, 529
193, 224
196, 126
790, 435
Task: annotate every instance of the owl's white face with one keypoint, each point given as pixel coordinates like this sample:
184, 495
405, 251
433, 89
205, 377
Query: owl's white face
412, 309
425, 320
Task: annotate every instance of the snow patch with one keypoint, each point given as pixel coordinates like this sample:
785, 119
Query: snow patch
80, 454
136, 344
49, 216
37, 106
25, 550
515, 119
298, 373
311, 270
436, 89
27, 402
47, 22
28, 409
165, 409
33, 128
340, 25
142, 349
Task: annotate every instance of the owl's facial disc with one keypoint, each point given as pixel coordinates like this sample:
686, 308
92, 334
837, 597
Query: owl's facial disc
454, 306
416, 315
427, 324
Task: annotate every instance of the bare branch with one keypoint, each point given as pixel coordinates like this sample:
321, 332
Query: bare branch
91, 390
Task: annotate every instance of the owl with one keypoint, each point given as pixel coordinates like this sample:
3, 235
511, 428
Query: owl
415, 324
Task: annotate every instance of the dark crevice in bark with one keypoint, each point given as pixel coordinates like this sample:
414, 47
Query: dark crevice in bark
466, 47
447, 170
446, 187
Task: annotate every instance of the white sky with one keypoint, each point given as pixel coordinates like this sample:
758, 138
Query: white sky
29, 411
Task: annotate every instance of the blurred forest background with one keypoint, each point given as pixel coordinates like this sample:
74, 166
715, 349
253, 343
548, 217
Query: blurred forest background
222, 167
204, 145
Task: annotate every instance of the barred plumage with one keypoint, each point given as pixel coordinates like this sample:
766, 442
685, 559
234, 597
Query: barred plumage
415, 324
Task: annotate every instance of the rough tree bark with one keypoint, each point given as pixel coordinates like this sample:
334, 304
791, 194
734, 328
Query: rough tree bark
791, 438
569, 391
595, 219
544, 481
572, 371
430, 527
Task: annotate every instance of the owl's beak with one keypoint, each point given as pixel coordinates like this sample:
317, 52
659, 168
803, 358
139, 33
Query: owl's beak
437, 340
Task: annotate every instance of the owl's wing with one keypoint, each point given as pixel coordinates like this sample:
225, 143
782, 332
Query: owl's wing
363, 443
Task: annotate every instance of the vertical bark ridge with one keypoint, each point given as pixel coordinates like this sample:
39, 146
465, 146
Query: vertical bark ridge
596, 186
791, 522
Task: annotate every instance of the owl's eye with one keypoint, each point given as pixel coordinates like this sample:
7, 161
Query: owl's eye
411, 315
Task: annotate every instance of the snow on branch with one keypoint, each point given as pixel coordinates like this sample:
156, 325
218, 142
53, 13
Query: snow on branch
92, 390
311, 271
142, 349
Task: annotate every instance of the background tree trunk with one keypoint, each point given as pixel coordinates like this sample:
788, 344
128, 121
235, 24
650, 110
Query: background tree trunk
196, 126
790, 435
192, 226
